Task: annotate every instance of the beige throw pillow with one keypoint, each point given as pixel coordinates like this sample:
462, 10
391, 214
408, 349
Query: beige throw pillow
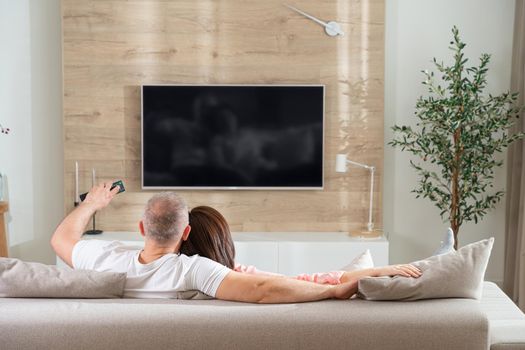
458, 274
19, 279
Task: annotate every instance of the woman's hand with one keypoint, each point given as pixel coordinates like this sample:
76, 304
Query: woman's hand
405, 270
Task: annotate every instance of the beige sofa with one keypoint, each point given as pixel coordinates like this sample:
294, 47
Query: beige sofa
494, 323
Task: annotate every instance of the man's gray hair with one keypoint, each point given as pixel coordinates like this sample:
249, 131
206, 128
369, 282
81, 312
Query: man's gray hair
165, 217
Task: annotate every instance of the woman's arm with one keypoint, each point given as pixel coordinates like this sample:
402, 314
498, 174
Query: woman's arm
332, 277
405, 270
338, 277
252, 270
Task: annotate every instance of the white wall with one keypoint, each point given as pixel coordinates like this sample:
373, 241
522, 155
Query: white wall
15, 113
416, 31
31, 105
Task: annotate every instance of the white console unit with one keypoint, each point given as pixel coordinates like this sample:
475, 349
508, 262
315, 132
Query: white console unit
289, 253
292, 253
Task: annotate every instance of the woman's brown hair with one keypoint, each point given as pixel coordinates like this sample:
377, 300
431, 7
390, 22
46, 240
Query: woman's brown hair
210, 236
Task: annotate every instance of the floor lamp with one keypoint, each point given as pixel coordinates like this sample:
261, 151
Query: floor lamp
340, 166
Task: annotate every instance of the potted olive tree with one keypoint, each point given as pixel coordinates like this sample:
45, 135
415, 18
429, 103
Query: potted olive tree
459, 131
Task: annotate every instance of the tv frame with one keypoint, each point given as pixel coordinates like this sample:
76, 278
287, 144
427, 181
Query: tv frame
228, 188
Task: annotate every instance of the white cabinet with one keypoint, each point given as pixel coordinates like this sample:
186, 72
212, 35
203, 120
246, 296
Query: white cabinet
289, 253
305, 252
263, 255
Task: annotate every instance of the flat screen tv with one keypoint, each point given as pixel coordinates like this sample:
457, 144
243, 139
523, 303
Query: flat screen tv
232, 136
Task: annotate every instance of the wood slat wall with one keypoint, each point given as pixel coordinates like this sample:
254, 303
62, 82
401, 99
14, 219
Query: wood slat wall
111, 47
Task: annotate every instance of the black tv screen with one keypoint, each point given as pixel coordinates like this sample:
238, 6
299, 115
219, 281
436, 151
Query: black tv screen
232, 136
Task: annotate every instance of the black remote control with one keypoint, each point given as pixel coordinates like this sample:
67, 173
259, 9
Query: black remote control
118, 183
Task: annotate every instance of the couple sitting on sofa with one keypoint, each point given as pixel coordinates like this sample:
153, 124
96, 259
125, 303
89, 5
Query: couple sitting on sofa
174, 261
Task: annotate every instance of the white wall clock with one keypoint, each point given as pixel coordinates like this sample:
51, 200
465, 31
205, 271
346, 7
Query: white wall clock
331, 28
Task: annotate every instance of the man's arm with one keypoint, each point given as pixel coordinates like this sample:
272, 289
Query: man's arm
70, 230
269, 290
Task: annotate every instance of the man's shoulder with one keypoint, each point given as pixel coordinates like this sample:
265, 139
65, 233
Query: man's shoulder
91, 253
179, 262
200, 262
105, 245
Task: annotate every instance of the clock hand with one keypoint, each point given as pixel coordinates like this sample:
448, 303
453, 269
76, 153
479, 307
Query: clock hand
306, 15
332, 28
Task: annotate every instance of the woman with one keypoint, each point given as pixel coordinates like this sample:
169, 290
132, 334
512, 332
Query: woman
210, 237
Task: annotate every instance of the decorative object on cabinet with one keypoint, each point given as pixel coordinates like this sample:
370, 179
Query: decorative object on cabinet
93, 230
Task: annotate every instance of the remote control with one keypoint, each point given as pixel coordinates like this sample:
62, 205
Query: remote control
118, 183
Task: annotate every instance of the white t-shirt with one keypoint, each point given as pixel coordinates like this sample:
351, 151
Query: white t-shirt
162, 278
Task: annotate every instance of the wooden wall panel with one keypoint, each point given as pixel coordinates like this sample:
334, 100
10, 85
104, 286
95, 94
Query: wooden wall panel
111, 47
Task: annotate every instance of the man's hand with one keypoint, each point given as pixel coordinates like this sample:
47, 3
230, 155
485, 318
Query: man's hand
100, 195
70, 230
345, 290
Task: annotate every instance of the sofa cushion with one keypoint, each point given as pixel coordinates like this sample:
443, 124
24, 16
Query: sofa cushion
458, 274
193, 295
19, 279
220, 325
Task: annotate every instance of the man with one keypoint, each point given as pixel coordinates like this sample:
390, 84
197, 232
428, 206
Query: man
158, 271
